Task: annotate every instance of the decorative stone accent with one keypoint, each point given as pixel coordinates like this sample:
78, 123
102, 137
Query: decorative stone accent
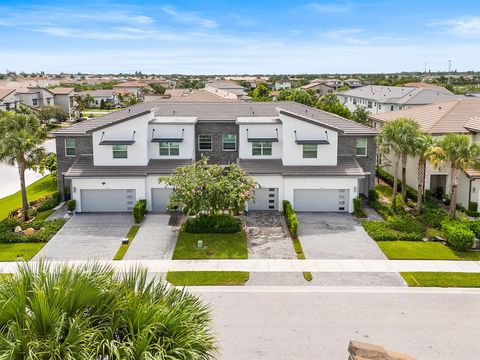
363, 351
18, 229
29, 231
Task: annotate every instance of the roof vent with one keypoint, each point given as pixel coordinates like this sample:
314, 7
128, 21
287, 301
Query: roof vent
129, 110
173, 111
439, 108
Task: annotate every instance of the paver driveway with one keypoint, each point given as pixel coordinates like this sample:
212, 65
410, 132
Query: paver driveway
88, 236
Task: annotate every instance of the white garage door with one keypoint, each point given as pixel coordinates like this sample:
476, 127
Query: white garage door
160, 199
118, 200
320, 200
265, 199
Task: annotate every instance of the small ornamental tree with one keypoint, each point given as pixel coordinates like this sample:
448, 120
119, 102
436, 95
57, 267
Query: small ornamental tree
201, 188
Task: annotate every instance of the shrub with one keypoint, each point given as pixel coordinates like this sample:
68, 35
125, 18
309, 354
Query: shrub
139, 210
372, 195
357, 208
380, 231
458, 235
432, 217
208, 224
290, 218
472, 213
385, 176
432, 233
474, 225
46, 229
406, 224
49, 203
71, 204
384, 210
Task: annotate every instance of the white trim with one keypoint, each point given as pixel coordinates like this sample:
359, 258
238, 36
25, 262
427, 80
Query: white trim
211, 142
65, 146
366, 147
223, 142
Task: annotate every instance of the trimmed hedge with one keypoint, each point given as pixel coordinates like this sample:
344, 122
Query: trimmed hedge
385, 176
71, 204
46, 229
290, 217
49, 203
400, 227
139, 210
210, 224
433, 217
357, 208
472, 206
458, 235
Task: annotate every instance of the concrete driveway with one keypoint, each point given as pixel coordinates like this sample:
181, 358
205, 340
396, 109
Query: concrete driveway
335, 236
88, 236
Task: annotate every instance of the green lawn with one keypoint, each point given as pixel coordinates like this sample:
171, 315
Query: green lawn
218, 246
207, 278
124, 247
19, 251
441, 279
40, 188
420, 250
43, 214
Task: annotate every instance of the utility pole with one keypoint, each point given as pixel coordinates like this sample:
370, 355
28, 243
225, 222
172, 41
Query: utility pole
425, 71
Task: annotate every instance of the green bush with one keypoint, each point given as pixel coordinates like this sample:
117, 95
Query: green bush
406, 224
49, 203
209, 224
472, 213
472, 206
139, 210
474, 225
71, 205
357, 208
373, 195
384, 210
399, 227
385, 176
46, 229
380, 231
290, 218
432, 217
458, 235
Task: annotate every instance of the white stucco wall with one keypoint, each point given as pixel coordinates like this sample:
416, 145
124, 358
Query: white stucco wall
187, 147
259, 131
110, 183
292, 154
137, 153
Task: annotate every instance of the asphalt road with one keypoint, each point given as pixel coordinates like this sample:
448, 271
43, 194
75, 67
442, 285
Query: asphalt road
318, 323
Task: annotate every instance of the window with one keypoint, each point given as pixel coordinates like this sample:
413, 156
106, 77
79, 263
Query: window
119, 151
379, 107
229, 142
34, 102
391, 108
169, 149
70, 147
262, 148
369, 104
354, 101
361, 147
310, 151
204, 142
48, 101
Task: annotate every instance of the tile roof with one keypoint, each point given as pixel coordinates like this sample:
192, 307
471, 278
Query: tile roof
130, 84
83, 167
61, 90
220, 111
456, 116
401, 94
346, 166
97, 93
5, 91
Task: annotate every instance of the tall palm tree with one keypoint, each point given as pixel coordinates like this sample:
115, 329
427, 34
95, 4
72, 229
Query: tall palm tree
396, 138
423, 146
21, 138
456, 150
89, 312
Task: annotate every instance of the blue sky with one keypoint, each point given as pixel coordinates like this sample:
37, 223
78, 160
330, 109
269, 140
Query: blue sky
237, 37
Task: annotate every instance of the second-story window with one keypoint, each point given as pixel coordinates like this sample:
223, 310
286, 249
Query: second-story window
204, 142
169, 149
229, 142
361, 147
70, 147
119, 151
310, 151
34, 102
262, 148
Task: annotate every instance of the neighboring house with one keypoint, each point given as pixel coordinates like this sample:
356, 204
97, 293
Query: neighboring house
282, 85
7, 99
107, 96
380, 99
335, 83
353, 83
133, 87
63, 96
457, 116
420, 84
167, 84
34, 97
226, 89
316, 160
319, 88
201, 95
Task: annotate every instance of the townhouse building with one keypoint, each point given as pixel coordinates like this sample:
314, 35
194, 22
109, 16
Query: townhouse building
317, 160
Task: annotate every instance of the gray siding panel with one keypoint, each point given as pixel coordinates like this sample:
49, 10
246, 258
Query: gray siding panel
217, 155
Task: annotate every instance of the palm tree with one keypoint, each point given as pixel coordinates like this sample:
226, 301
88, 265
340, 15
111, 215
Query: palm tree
396, 138
423, 146
21, 138
89, 312
456, 150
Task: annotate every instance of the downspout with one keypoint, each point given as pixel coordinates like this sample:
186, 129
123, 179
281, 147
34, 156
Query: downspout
469, 194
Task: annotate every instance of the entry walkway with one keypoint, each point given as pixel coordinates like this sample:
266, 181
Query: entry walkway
261, 265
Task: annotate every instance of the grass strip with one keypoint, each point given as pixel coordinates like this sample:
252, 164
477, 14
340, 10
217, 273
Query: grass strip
423, 250
207, 278
441, 279
124, 247
19, 251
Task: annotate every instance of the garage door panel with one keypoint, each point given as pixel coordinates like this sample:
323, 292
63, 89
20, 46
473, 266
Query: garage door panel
107, 200
265, 199
335, 200
160, 199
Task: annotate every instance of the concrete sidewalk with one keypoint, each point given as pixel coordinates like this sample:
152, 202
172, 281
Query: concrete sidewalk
279, 265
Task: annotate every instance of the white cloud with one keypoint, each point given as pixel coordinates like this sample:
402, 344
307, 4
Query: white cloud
346, 36
337, 7
189, 17
467, 27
